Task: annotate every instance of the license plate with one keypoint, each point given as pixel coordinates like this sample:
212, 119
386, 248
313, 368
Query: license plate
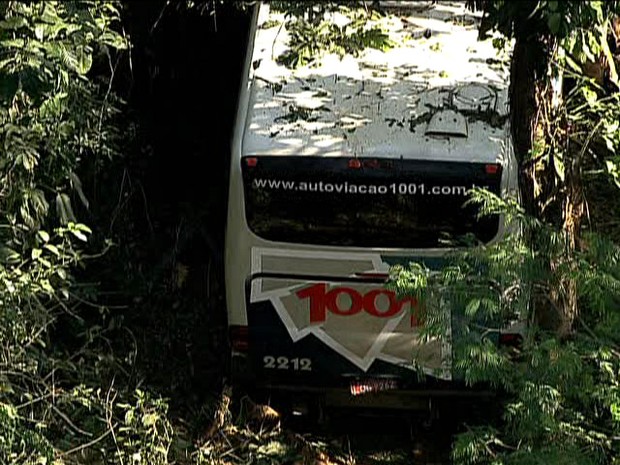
366, 386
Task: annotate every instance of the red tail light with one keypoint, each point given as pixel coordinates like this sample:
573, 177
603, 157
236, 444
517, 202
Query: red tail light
251, 162
371, 164
493, 168
239, 338
355, 163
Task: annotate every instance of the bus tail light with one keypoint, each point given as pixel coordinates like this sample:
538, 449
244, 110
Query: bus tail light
239, 338
355, 163
251, 162
493, 168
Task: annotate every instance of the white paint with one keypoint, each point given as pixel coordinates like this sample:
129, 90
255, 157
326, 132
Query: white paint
275, 296
451, 67
362, 106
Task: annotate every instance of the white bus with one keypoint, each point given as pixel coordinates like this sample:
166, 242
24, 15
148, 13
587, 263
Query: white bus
345, 167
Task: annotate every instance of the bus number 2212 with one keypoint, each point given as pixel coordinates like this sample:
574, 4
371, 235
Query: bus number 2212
285, 363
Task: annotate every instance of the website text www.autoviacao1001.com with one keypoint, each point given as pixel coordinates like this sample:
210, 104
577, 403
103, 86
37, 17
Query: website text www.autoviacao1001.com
402, 188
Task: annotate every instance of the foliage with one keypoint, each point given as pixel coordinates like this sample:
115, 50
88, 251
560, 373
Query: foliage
591, 126
560, 388
146, 433
561, 396
581, 27
580, 133
579, 37
314, 12
312, 34
256, 436
57, 114
565, 118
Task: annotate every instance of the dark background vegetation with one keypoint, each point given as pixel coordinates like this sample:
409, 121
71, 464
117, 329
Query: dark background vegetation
180, 81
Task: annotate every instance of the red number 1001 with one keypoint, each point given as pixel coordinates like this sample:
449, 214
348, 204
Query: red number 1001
322, 301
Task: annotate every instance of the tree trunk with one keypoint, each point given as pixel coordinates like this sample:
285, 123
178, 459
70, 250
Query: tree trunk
526, 60
573, 211
531, 102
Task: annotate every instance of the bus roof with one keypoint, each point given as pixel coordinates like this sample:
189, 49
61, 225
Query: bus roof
439, 93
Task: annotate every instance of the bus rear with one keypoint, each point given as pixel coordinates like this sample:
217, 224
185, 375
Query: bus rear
374, 172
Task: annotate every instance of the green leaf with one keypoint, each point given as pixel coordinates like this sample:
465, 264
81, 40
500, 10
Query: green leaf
13, 23
77, 185
52, 248
64, 209
45, 284
83, 227
84, 60
129, 416
613, 169
114, 40
610, 143
39, 31
590, 96
615, 412
472, 307
36, 253
573, 64
8, 256
53, 106
28, 162
80, 235
43, 235
50, 15
149, 419
586, 42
